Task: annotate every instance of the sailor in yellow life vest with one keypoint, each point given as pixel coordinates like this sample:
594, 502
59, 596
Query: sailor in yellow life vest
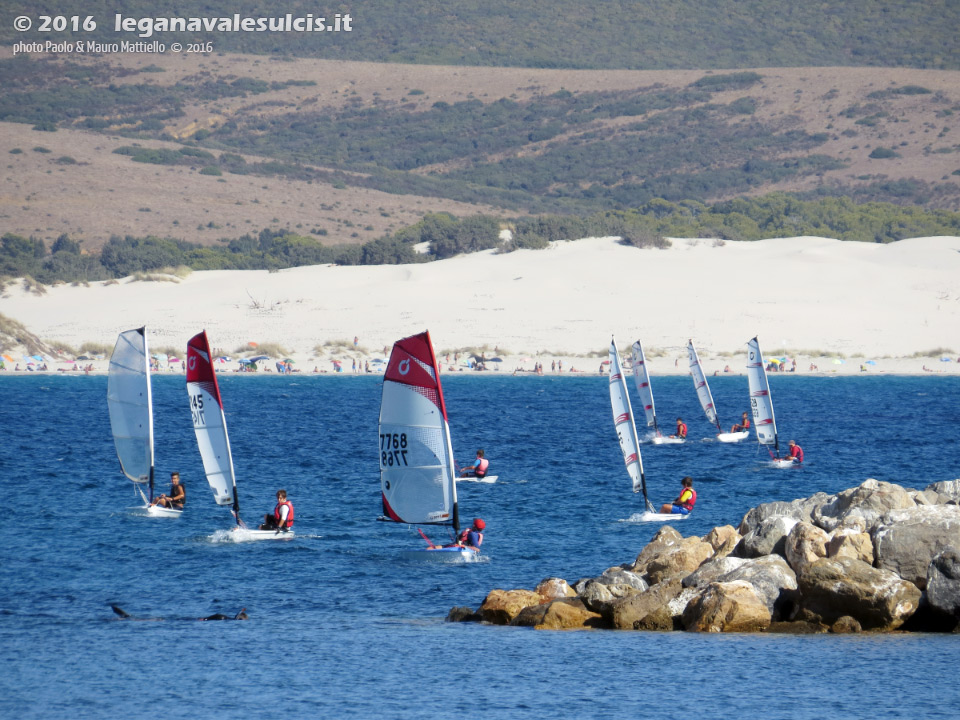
683, 504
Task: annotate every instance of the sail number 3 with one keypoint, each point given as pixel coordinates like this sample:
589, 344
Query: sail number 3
393, 449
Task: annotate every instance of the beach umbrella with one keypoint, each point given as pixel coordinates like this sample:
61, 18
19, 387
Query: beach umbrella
172, 359
870, 362
945, 359
7, 358
495, 360
288, 360
245, 361
252, 344
258, 358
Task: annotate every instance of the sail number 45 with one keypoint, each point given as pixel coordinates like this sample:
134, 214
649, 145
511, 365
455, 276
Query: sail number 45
393, 449
196, 407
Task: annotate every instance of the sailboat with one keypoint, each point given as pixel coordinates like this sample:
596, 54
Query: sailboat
210, 427
706, 397
641, 379
130, 402
761, 404
627, 435
417, 481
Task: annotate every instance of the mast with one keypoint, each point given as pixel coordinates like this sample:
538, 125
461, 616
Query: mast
146, 369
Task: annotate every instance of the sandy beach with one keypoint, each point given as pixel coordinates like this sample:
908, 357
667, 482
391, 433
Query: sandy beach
844, 307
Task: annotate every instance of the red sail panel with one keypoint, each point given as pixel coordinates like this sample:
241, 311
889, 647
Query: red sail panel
200, 365
414, 363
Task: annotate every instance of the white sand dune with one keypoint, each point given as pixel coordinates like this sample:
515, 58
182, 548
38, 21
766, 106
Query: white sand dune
812, 296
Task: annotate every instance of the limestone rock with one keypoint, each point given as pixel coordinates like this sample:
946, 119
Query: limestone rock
846, 624
711, 570
727, 607
943, 582
649, 610
772, 580
502, 606
801, 509
620, 576
906, 541
833, 587
766, 538
722, 539
553, 589
682, 558
557, 615
858, 546
947, 490
805, 544
665, 539
870, 500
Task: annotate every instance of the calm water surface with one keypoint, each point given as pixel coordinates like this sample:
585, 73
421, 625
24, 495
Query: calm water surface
341, 627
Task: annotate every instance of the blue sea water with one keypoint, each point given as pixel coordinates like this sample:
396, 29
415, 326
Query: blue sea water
341, 627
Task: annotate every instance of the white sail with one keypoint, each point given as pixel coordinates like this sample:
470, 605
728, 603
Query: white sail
209, 423
130, 403
623, 421
642, 380
761, 402
700, 383
416, 458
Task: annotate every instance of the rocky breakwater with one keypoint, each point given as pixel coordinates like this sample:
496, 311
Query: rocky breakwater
875, 557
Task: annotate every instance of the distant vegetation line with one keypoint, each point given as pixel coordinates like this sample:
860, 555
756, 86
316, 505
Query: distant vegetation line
653, 34
646, 226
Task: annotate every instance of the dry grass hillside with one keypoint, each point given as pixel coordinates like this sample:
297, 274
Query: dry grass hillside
70, 181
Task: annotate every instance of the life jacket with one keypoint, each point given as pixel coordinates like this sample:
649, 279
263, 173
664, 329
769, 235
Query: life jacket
465, 535
682, 430
482, 467
797, 452
276, 513
746, 424
692, 501
183, 498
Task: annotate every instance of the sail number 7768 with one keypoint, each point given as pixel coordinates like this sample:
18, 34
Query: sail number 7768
393, 449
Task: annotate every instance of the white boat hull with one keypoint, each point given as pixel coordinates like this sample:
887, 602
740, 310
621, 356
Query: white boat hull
661, 517
487, 479
733, 437
783, 463
160, 511
443, 555
668, 441
248, 535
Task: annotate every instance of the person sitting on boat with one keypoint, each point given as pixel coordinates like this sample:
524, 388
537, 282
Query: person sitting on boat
744, 424
281, 519
479, 469
795, 453
472, 537
177, 496
685, 502
681, 430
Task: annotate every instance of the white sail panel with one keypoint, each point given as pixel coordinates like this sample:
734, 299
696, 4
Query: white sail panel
209, 423
130, 404
761, 402
623, 420
642, 380
700, 383
416, 459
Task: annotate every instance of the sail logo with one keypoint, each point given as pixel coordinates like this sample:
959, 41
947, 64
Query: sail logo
404, 367
192, 362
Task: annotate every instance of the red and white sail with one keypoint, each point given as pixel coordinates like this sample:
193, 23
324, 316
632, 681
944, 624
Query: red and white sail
623, 421
209, 423
700, 383
761, 402
416, 458
641, 379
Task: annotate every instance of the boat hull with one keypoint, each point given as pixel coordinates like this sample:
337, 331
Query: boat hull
668, 441
662, 517
442, 555
733, 437
783, 463
488, 479
159, 511
248, 535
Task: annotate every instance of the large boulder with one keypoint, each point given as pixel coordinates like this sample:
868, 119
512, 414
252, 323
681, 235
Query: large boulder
722, 539
800, 509
870, 501
948, 490
905, 541
554, 589
650, 610
833, 587
679, 559
502, 606
727, 607
711, 570
943, 582
665, 540
858, 546
772, 580
596, 595
805, 544
766, 538
558, 615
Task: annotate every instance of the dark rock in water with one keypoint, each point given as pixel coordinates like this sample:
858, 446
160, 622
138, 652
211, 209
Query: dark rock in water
906, 541
462, 614
727, 607
796, 627
833, 587
943, 582
774, 582
845, 624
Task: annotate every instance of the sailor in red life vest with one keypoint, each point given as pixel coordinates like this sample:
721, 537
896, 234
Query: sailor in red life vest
472, 537
744, 424
683, 504
681, 430
282, 517
479, 468
796, 452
